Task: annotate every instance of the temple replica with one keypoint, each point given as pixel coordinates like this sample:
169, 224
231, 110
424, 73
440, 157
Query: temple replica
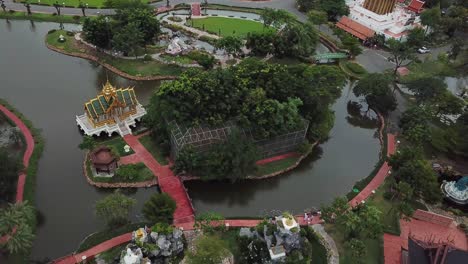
103, 161
456, 191
113, 110
391, 18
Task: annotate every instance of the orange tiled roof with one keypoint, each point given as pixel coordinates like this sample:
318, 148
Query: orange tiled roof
432, 218
355, 28
416, 6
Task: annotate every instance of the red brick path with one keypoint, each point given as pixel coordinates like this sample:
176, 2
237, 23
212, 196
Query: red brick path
27, 153
168, 182
379, 177
276, 158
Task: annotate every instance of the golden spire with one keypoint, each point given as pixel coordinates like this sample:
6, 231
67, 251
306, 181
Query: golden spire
108, 90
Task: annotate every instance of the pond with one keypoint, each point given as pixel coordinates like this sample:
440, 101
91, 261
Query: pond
50, 89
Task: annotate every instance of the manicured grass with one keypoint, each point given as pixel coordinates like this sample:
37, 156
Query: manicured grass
133, 67
183, 59
154, 149
374, 247
69, 45
75, 3
143, 68
41, 17
390, 218
99, 237
275, 166
235, 8
227, 26
352, 69
117, 143
142, 173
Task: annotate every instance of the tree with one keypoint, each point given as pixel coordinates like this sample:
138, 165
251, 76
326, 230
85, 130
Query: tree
260, 43
159, 208
416, 37
351, 44
275, 17
427, 89
208, 250
449, 104
455, 19
334, 8
337, 208
142, 18
375, 88
295, 40
231, 44
128, 40
317, 17
28, 7
430, 18
3, 6
83, 7
88, 143
414, 123
9, 168
400, 54
57, 7
114, 209
358, 250
14, 223
98, 31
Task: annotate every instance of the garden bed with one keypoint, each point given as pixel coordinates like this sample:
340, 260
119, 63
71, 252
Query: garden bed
352, 69
227, 26
134, 69
131, 173
154, 149
40, 17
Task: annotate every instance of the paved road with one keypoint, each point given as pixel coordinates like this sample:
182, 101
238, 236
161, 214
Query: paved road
372, 60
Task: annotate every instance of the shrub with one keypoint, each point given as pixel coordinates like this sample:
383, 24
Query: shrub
162, 228
304, 148
355, 68
159, 208
147, 58
51, 31
205, 60
11, 11
387, 195
130, 171
175, 19
69, 33
76, 17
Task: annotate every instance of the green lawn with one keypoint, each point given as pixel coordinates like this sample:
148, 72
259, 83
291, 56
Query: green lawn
143, 68
142, 174
40, 17
74, 3
275, 166
154, 149
227, 26
374, 247
183, 59
352, 69
117, 143
69, 44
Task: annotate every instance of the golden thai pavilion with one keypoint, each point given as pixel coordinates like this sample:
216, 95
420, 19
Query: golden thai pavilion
113, 110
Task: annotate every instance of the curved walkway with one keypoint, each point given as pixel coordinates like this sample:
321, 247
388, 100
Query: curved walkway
26, 156
27, 153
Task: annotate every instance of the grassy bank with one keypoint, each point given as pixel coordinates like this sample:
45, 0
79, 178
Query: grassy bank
275, 166
15, 15
154, 149
133, 67
227, 26
31, 171
352, 69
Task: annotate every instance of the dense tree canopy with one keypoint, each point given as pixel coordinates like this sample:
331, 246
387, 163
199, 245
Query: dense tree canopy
114, 209
333, 8
9, 167
275, 17
249, 93
15, 222
159, 208
375, 88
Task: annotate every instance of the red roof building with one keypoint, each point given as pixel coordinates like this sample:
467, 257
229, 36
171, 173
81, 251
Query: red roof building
424, 226
416, 6
354, 28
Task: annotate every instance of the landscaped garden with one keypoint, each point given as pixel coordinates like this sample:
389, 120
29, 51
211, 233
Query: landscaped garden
131, 173
227, 26
87, 3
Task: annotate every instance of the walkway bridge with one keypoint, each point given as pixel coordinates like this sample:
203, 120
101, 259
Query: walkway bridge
329, 57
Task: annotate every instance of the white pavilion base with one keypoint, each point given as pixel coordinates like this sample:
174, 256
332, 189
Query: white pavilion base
123, 127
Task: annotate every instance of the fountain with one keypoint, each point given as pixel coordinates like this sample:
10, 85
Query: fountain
456, 191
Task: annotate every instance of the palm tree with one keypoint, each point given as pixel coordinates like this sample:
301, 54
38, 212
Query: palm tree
14, 223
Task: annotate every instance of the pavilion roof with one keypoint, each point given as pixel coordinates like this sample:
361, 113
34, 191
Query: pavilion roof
110, 98
354, 28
